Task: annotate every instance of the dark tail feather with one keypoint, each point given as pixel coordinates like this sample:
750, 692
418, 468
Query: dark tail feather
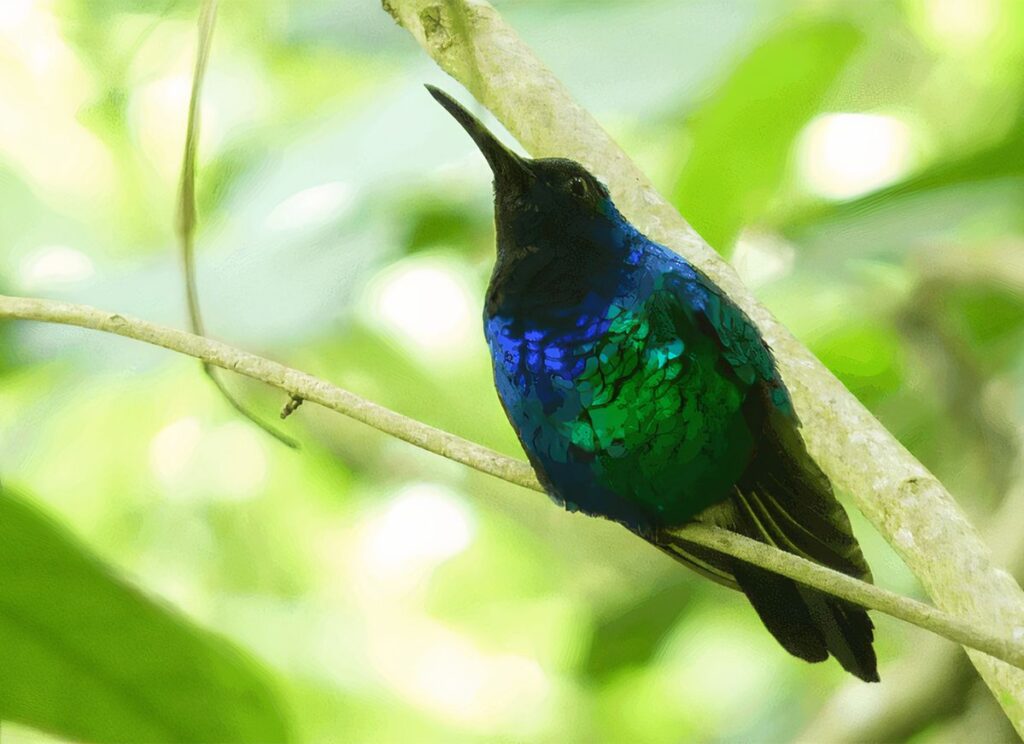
785, 500
848, 633
783, 611
807, 623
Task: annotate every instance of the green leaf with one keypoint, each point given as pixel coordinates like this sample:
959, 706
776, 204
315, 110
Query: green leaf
742, 136
84, 655
633, 636
864, 354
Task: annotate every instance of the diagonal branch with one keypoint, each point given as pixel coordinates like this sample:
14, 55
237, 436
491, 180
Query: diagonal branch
905, 502
936, 681
971, 633
186, 222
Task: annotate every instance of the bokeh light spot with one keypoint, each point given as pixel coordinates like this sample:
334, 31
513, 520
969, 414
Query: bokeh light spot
761, 258
225, 463
14, 13
451, 676
173, 448
424, 301
54, 266
845, 155
312, 207
456, 679
158, 113
424, 525
960, 24
238, 460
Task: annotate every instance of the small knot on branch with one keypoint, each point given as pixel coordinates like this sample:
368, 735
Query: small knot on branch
435, 30
291, 406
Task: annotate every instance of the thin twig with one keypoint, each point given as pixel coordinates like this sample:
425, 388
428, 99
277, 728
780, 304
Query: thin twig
859, 592
291, 406
186, 222
301, 385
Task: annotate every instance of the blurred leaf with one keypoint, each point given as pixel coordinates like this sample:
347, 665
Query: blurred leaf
864, 354
84, 655
1001, 161
221, 175
991, 320
632, 637
435, 222
742, 136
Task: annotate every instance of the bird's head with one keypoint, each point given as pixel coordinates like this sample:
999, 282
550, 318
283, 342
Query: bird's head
548, 204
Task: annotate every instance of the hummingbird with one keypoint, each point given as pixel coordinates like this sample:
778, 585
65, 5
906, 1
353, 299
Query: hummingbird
642, 394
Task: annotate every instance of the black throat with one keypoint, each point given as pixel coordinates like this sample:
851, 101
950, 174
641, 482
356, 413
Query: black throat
547, 279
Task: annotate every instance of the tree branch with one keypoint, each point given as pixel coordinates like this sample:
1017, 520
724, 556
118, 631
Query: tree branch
895, 492
936, 681
305, 386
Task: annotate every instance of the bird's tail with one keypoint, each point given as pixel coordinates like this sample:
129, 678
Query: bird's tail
809, 624
785, 500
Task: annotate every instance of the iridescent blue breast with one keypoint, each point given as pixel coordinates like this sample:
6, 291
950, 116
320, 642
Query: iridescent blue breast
623, 408
531, 360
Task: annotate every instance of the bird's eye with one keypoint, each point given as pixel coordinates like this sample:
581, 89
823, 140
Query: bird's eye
578, 186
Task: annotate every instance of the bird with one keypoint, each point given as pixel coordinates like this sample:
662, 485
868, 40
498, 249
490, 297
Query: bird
641, 393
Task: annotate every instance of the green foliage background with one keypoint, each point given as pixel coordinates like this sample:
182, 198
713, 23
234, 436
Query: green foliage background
359, 590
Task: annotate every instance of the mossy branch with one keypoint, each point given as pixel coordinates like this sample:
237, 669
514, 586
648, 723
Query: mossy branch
905, 502
298, 384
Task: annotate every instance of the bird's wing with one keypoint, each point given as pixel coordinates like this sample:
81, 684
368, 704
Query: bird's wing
790, 498
743, 351
783, 499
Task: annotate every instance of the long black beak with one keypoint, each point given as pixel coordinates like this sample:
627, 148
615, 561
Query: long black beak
510, 170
